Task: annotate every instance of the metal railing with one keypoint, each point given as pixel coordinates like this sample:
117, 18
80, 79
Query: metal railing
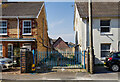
57, 59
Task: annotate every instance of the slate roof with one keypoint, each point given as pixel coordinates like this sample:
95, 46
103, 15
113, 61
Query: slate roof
99, 9
21, 8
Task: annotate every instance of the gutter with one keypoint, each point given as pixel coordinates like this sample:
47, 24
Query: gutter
98, 16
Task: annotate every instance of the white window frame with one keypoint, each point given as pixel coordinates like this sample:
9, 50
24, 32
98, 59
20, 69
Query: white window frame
2, 49
24, 27
105, 50
12, 49
105, 27
3, 27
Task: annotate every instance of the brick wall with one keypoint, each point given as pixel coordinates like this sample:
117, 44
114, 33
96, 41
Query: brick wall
12, 28
40, 43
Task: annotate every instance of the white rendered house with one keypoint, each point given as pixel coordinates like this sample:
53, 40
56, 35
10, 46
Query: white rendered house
106, 28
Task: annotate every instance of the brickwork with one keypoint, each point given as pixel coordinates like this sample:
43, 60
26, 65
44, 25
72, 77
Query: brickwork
12, 28
5, 49
41, 42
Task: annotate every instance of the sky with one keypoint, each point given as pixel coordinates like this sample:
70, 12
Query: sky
60, 16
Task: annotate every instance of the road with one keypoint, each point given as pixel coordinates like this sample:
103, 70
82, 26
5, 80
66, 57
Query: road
63, 74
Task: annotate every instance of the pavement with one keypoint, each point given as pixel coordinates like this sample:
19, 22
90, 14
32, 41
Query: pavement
101, 73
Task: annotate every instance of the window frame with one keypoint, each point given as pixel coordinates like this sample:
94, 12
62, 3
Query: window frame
12, 49
2, 49
105, 27
4, 27
105, 50
24, 27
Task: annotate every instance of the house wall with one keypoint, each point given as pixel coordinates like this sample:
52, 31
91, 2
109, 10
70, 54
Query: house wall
99, 38
12, 31
82, 26
5, 46
42, 37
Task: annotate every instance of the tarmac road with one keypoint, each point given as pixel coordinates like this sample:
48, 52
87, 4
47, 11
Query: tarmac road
101, 74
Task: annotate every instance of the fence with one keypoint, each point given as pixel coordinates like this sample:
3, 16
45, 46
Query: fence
59, 59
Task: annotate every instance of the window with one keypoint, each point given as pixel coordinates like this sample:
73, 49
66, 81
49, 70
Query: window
1, 50
105, 26
26, 27
105, 50
3, 27
10, 50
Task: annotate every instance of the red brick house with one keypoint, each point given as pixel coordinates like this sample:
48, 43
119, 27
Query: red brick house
60, 44
23, 24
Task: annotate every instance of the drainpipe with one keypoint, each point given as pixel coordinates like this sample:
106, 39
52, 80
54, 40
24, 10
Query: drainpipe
18, 26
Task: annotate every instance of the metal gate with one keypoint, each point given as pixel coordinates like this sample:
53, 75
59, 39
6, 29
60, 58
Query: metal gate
57, 59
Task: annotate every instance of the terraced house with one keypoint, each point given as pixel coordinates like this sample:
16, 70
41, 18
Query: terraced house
23, 24
106, 28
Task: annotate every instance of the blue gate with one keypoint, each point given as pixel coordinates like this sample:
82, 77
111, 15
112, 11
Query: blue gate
55, 59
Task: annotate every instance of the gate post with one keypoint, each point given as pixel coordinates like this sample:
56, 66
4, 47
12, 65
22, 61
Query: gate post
88, 60
33, 65
22, 60
26, 59
84, 60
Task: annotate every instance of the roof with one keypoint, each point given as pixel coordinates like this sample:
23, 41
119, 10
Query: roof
99, 9
30, 9
54, 40
58, 41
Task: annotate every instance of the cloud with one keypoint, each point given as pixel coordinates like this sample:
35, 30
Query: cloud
55, 23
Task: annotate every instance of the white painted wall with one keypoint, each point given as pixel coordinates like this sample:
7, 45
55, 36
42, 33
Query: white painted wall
99, 38
80, 27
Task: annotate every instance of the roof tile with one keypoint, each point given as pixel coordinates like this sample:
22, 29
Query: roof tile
21, 8
99, 9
